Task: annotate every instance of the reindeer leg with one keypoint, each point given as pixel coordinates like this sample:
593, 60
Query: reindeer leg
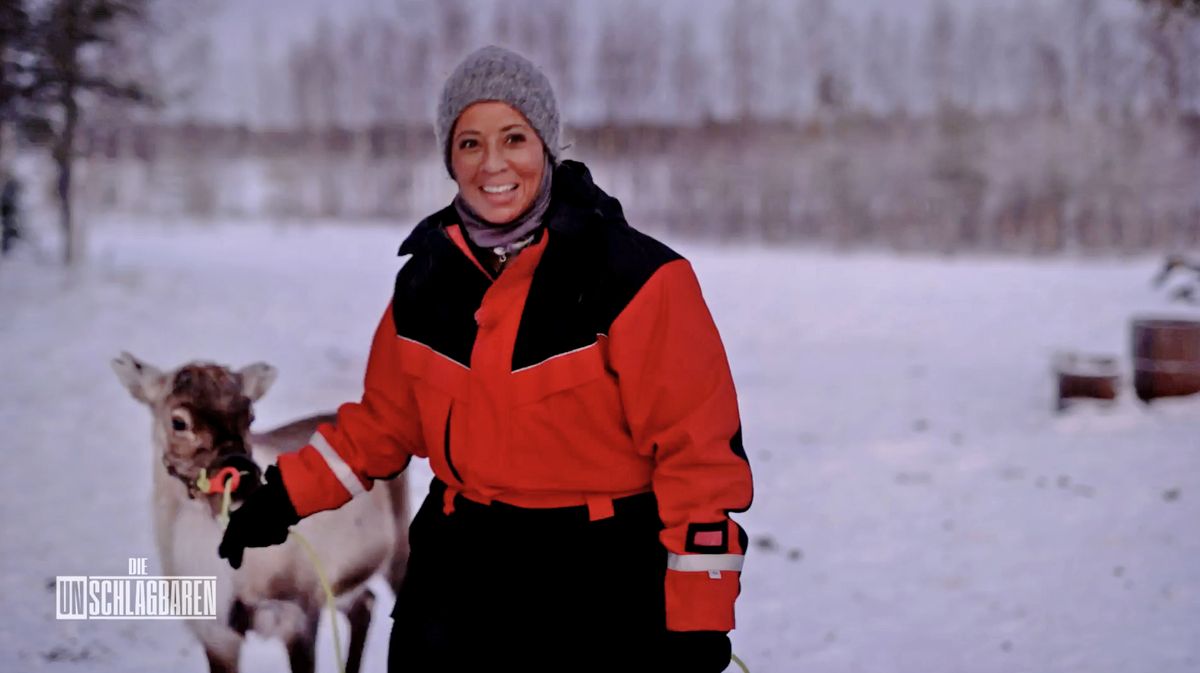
302, 650
222, 650
360, 620
219, 664
398, 494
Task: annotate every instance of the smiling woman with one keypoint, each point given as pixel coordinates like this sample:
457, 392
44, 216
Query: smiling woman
561, 373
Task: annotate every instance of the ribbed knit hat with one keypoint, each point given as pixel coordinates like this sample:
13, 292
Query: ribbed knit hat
494, 73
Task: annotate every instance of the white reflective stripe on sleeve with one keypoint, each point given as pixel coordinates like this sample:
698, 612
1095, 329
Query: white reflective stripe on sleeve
336, 465
696, 563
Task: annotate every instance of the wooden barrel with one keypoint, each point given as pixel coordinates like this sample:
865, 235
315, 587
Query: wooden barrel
1166, 357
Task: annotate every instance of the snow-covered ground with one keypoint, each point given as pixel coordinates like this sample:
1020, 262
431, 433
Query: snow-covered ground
919, 507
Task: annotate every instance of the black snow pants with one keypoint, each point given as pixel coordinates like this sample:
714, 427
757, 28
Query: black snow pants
503, 588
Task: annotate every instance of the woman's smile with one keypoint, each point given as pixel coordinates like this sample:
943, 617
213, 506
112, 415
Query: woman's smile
500, 195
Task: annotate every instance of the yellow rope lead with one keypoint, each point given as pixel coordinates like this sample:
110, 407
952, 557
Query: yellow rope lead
329, 600
226, 502
740, 663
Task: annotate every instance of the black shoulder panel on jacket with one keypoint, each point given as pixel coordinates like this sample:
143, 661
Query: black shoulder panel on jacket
594, 264
437, 293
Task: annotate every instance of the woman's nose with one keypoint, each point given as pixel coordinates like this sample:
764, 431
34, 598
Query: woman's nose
493, 161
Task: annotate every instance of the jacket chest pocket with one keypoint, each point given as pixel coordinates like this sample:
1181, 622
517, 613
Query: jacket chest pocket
559, 374
430, 370
439, 384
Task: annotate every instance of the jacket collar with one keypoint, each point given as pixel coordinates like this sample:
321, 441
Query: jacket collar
576, 205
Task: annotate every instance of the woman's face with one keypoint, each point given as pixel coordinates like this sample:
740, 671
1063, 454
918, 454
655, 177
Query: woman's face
497, 160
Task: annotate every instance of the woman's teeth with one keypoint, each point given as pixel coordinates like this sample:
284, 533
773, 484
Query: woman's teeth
498, 189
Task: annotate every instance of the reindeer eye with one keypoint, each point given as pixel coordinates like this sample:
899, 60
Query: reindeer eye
178, 424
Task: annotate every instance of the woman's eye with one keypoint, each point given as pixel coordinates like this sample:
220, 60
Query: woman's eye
466, 144
178, 424
516, 138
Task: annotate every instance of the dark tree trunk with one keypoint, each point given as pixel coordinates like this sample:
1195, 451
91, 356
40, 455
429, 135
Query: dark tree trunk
64, 153
67, 61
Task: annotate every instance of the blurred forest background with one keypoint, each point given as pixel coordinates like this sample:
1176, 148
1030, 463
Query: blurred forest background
1022, 126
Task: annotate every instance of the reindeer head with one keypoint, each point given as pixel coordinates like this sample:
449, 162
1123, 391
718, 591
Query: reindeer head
202, 412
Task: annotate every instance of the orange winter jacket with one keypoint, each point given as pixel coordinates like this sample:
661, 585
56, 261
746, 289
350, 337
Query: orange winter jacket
588, 370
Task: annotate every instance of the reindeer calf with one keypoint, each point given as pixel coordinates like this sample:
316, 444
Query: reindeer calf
201, 418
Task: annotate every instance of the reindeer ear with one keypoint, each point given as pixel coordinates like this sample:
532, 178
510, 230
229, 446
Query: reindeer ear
145, 382
257, 379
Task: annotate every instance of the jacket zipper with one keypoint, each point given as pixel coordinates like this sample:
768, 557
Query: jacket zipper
449, 461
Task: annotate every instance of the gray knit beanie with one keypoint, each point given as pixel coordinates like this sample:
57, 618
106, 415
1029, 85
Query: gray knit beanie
494, 73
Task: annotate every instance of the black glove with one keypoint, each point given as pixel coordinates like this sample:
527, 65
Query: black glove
263, 520
696, 651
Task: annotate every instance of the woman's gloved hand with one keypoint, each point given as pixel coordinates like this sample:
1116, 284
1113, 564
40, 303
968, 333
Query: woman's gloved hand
697, 651
263, 520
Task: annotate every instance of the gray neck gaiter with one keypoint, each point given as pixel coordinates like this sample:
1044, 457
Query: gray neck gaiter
487, 235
